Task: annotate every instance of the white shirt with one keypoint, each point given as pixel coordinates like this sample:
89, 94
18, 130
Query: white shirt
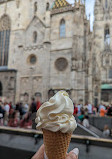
106, 133
26, 107
90, 108
85, 123
7, 108
79, 108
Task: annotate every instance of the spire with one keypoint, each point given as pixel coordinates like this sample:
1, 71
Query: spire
60, 4
89, 16
84, 2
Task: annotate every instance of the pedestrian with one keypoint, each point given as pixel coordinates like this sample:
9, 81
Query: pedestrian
75, 110
7, 109
109, 111
25, 108
79, 106
38, 104
102, 112
106, 131
85, 122
13, 121
2, 112
26, 122
33, 107
90, 109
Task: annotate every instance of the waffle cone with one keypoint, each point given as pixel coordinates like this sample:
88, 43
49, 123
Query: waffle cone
56, 144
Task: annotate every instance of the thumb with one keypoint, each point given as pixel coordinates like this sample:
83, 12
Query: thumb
74, 154
75, 151
45, 156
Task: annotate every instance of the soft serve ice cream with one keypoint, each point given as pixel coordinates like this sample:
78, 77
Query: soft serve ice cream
57, 114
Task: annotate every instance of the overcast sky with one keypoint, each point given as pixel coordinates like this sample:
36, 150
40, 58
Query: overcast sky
89, 9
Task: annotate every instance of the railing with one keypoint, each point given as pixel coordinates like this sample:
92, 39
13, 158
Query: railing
75, 138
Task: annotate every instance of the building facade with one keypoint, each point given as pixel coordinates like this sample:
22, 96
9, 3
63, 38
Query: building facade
102, 52
45, 46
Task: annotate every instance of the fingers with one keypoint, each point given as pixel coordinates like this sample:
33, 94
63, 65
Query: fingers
39, 154
73, 154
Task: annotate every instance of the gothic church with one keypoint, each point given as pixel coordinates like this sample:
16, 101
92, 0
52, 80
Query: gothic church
47, 45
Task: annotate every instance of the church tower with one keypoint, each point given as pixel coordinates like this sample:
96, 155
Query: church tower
81, 35
102, 51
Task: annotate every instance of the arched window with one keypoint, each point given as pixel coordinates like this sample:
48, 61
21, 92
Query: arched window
106, 4
47, 6
34, 37
62, 28
110, 73
1, 89
35, 7
5, 27
107, 36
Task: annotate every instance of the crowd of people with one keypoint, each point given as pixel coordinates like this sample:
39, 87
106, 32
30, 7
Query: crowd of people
84, 112
18, 115
89, 109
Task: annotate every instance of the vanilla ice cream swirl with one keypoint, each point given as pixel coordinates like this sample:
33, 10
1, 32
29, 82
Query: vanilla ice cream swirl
57, 114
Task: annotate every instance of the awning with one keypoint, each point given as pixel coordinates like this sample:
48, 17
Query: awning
106, 86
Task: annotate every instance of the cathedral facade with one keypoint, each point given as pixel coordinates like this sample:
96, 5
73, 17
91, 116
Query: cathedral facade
46, 46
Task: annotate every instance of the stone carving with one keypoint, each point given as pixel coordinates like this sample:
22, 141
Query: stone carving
5, 23
34, 47
59, 10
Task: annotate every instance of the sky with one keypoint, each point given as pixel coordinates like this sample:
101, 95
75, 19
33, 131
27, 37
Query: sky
89, 10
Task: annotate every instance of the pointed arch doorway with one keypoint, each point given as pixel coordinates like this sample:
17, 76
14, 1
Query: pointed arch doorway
1, 89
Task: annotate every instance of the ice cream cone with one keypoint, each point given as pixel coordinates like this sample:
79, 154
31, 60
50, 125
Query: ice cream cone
56, 144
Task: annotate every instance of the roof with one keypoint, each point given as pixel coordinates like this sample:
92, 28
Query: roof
106, 86
60, 4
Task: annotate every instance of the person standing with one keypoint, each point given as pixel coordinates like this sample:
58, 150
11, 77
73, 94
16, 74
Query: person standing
79, 106
25, 108
90, 110
75, 110
7, 109
101, 107
106, 131
85, 122
109, 111
2, 112
33, 107
102, 112
38, 104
